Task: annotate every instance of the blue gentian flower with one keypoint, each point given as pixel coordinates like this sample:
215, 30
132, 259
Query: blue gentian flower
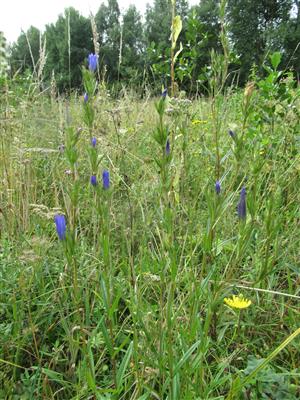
231, 133
85, 98
241, 208
164, 93
105, 179
93, 62
93, 180
218, 187
93, 142
168, 148
61, 226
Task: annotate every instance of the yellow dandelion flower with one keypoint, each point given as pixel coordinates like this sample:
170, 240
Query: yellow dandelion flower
237, 302
198, 121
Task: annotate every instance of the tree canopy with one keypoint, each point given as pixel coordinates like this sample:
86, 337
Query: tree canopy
132, 48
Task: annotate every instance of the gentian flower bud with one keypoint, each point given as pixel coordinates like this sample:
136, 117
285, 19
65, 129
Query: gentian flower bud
231, 133
168, 149
105, 179
218, 187
85, 98
93, 142
241, 208
164, 93
93, 180
93, 62
61, 226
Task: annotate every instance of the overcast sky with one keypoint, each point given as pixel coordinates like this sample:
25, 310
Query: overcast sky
16, 15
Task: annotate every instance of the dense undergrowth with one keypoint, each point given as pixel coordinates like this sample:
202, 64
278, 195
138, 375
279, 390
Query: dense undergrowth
130, 303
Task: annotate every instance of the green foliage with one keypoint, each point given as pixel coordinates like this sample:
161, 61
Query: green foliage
25, 52
133, 47
69, 41
291, 39
109, 30
268, 383
157, 35
158, 22
201, 36
255, 28
131, 303
135, 51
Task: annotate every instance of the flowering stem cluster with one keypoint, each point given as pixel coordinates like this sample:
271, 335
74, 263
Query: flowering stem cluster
168, 261
106, 276
102, 207
90, 86
67, 233
71, 204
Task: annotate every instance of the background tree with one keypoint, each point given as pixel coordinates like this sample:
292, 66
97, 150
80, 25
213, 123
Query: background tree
158, 22
157, 35
255, 26
182, 9
108, 26
129, 46
25, 52
133, 46
69, 41
291, 41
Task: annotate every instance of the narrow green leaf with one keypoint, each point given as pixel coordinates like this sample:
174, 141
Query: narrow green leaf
123, 366
106, 338
181, 362
186, 356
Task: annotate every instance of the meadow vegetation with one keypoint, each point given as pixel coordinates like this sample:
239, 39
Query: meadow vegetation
149, 246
